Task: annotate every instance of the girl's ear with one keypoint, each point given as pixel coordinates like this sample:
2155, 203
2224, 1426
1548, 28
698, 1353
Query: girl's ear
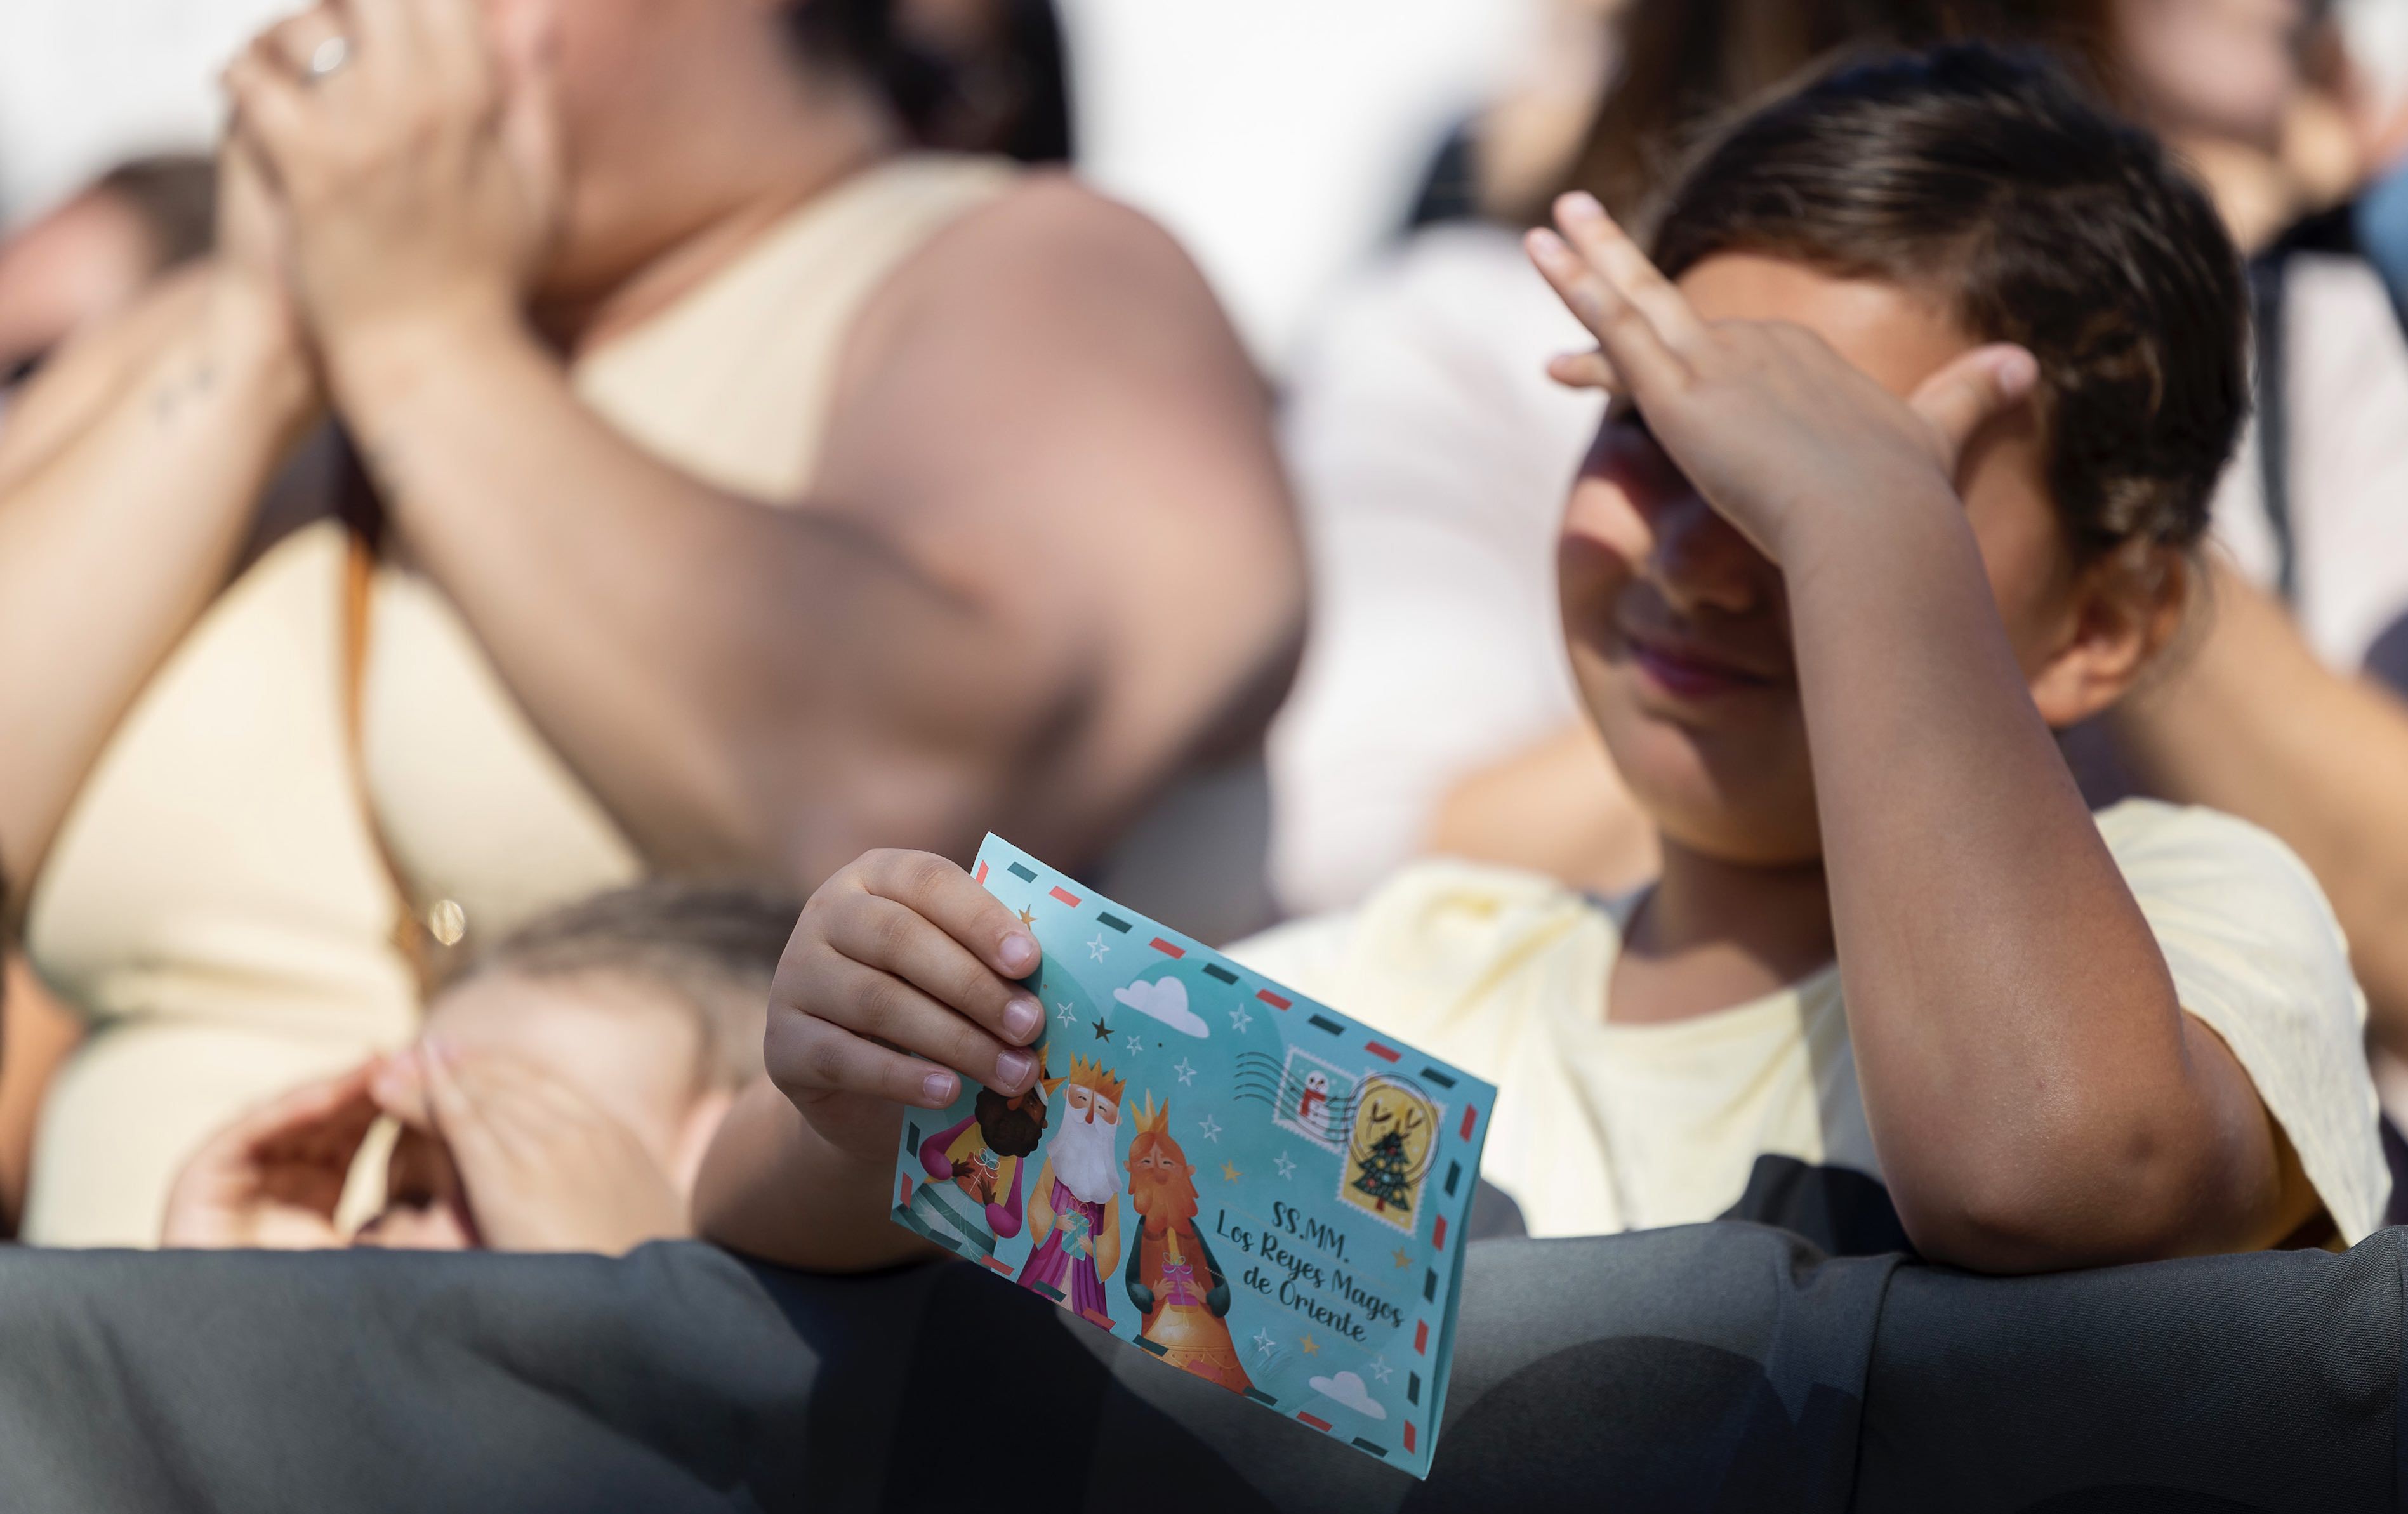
2124, 611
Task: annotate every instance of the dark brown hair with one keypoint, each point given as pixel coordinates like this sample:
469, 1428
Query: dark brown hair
859, 34
1686, 64
1993, 184
176, 197
712, 947
1000, 84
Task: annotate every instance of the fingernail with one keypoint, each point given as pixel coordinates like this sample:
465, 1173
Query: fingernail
1580, 204
1019, 953
1021, 1018
1544, 243
2018, 371
937, 1088
1014, 1069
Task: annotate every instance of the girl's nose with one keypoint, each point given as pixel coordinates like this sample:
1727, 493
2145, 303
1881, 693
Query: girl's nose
1698, 561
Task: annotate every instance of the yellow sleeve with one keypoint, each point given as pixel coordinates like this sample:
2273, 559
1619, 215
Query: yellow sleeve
2257, 955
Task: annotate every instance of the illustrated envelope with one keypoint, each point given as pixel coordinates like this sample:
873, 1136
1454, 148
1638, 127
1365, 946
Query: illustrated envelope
1247, 1184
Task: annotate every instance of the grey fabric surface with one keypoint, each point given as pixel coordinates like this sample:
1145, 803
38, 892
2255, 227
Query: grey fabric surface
1715, 1367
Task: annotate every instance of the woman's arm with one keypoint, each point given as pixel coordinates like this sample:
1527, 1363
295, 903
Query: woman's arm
899, 662
121, 512
2250, 722
2037, 1095
722, 672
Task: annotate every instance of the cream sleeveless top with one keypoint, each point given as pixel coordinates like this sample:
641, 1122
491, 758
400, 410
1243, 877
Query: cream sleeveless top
216, 903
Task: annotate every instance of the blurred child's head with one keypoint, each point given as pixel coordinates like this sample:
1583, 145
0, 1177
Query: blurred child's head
1908, 211
94, 255
650, 1002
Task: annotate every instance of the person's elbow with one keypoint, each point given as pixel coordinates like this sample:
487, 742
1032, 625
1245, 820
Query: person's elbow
2064, 1199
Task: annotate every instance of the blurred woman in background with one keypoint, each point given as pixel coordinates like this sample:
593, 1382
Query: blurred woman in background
740, 486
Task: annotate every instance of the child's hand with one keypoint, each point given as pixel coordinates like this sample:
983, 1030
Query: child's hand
1766, 420
543, 1167
901, 957
271, 1180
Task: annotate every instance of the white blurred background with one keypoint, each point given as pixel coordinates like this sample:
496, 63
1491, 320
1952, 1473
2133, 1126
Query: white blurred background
1282, 139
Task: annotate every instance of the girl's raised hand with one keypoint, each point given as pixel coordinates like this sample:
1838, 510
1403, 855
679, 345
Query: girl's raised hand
1771, 425
901, 980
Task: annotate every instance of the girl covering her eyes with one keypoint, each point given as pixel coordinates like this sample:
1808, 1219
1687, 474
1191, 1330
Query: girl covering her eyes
1937, 367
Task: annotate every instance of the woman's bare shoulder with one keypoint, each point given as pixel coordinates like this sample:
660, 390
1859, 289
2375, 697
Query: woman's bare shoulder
1058, 262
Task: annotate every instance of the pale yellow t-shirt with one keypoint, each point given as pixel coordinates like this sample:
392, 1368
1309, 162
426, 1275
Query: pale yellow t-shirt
1602, 1127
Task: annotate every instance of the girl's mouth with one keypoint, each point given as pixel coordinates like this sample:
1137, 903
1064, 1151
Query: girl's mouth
1687, 672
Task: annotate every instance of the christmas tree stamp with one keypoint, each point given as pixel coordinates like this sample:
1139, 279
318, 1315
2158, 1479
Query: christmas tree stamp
1248, 1185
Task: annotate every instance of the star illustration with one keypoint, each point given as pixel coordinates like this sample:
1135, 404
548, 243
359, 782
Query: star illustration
1135, 1045
1097, 948
1309, 1347
1028, 916
1286, 1168
1186, 1074
1381, 1369
1103, 1029
1211, 1129
1402, 1260
1239, 1019
1263, 1341
1229, 1171
1067, 1014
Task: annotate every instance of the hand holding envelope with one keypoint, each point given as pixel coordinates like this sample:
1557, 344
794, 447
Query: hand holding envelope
1246, 1184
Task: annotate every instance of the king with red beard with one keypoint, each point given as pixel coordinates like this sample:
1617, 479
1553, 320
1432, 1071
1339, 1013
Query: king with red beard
1173, 1277
1074, 1213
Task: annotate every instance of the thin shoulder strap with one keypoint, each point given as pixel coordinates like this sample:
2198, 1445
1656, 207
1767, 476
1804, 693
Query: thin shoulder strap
410, 937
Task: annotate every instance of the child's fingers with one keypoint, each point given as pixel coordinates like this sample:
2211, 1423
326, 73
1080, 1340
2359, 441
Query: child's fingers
808, 1057
874, 1003
1629, 339
1962, 397
1584, 370
304, 1114
956, 903
879, 932
399, 1089
1625, 266
458, 1118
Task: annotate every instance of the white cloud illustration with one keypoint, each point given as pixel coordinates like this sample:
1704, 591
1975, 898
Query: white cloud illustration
1165, 999
1348, 1388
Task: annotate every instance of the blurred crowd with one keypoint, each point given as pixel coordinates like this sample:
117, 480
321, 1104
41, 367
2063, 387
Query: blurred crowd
553, 484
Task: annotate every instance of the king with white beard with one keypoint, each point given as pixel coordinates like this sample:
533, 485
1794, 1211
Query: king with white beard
1074, 1216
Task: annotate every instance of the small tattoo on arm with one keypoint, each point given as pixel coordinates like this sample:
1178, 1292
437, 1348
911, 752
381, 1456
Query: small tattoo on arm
176, 392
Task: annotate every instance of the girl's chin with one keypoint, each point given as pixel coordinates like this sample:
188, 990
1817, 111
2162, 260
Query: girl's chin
1727, 804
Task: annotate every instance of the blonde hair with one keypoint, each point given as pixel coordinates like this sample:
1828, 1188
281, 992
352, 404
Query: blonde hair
710, 947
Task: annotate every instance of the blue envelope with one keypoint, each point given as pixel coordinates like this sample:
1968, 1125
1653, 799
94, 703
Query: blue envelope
1245, 1183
